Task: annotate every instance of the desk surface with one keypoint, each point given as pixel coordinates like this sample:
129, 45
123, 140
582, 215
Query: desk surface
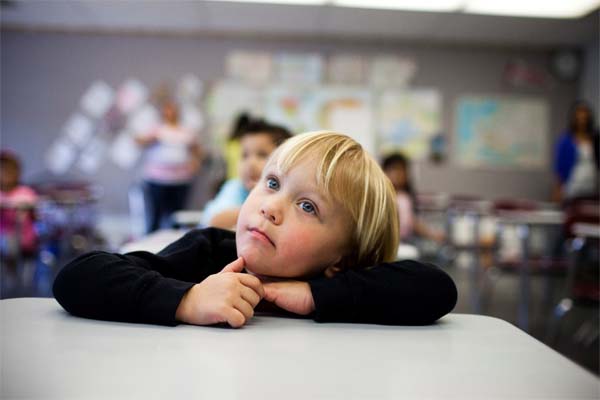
155, 241
46, 353
535, 217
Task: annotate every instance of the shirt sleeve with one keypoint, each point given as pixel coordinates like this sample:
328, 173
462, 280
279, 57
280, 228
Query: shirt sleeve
399, 293
141, 286
230, 196
564, 158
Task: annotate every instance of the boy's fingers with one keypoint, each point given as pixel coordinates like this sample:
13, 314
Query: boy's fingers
235, 318
253, 283
250, 296
235, 266
245, 308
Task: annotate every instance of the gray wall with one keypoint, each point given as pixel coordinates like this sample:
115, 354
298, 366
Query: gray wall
43, 76
588, 85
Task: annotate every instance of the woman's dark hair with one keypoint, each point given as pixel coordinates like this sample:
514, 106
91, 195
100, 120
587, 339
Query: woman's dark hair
246, 125
591, 124
402, 160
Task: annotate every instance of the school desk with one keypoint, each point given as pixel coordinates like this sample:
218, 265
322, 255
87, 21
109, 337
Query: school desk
155, 241
49, 354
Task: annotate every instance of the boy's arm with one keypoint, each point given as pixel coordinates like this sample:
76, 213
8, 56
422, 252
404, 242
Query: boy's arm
140, 286
229, 197
399, 293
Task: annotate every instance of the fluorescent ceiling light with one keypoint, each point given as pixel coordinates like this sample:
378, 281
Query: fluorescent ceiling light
409, 5
300, 2
515, 8
532, 8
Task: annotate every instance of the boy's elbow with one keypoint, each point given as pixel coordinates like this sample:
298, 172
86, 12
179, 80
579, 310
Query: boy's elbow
64, 285
433, 299
70, 286
443, 299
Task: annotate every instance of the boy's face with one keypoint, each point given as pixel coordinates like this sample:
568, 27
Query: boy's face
287, 228
256, 149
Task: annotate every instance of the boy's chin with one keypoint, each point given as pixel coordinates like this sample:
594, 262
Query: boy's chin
262, 271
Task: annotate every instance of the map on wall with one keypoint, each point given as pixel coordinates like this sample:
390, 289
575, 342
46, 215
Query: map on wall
501, 132
408, 121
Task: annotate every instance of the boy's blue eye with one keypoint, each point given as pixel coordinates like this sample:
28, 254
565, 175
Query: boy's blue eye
307, 207
272, 183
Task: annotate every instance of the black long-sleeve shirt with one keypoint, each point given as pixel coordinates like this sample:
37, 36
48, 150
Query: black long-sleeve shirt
146, 287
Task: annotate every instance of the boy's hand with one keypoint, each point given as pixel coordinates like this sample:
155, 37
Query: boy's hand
228, 296
292, 296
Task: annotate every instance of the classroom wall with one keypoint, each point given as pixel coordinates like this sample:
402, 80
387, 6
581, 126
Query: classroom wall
588, 84
44, 74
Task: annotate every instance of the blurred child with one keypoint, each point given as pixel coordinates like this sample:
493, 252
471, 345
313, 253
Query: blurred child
397, 168
257, 139
17, 204
172, 159
317, 236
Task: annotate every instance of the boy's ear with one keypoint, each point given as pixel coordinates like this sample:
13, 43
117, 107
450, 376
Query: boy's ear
332, 270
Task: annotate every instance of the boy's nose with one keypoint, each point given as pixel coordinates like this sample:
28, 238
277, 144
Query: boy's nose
272, 212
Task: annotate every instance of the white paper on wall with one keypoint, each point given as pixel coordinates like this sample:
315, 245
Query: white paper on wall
97, 99
124, 151
347, 69
306, 69
60, 156
143, 120
249, 66
92, 156
226, 101
189, 89
79, 129
387, 71
131, 95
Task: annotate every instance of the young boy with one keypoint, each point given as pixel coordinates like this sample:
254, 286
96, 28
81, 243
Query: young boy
257, 139
317, 236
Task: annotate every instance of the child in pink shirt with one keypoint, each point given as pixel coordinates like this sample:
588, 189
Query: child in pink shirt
17, 204
397, 168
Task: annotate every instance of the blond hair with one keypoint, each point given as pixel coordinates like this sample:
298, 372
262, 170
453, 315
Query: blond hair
353, 179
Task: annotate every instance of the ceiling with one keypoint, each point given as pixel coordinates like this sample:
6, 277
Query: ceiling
218, 18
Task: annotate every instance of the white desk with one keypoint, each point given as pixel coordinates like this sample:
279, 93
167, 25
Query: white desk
155, 241
587, 230
46, 353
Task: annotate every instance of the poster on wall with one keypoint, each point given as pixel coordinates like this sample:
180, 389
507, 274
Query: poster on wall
343, 109
502, 131
408, 121
346, 110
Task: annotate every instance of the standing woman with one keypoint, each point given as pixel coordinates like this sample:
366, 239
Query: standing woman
576, 158
172, 159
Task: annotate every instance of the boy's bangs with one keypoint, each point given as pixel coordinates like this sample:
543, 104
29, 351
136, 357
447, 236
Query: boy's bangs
347, 175
338, 161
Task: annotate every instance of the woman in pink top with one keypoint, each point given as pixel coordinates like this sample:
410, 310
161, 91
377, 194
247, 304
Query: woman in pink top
396, 167
172, 158
17, 204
